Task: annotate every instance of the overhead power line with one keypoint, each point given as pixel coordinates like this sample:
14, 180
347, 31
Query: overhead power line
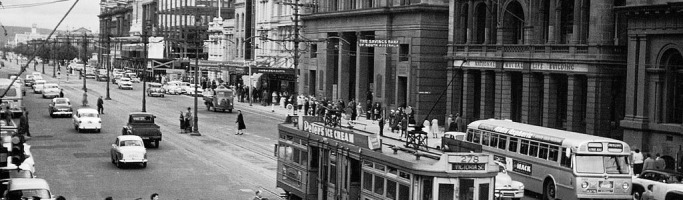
28, 5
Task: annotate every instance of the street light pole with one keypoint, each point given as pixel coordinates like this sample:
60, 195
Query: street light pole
195, 130
108, 64
145, 40
84, 60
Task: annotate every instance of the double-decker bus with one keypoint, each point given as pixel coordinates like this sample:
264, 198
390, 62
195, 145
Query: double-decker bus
13, 98
555, 163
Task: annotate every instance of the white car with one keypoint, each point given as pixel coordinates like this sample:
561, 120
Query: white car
505, 186
128, 149
665, 184
189, 90
50, 90
38, 86
125, 84
173, 87
87, 119
133, 77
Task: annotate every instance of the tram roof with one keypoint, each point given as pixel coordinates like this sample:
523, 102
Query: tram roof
550, 135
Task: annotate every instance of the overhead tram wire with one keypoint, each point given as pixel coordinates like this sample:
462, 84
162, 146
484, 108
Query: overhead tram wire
28, 5
42, 46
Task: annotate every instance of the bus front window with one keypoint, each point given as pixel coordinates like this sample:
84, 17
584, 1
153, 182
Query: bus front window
600, 164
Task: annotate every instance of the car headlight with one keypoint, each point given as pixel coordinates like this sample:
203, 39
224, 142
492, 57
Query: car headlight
584, 185
625, 186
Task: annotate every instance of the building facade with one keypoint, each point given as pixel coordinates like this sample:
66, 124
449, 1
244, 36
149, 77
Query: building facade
653, 118
557, 64
387, 52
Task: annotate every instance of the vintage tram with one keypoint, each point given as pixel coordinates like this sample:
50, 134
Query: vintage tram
321, 162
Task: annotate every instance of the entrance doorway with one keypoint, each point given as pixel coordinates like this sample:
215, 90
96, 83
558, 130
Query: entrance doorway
402, 91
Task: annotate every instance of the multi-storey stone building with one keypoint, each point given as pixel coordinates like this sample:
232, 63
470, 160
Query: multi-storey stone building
558, 64
654, 96
408, 68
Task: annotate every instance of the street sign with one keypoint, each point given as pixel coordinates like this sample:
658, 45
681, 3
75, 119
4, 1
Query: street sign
377, 43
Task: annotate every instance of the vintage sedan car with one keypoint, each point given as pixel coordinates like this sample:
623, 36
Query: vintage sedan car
505, 186
102, 77
125, 84
28, 81
38, 86
666, 184
189, 90
155, 90
173, 87
60, 107
128, 149
132, 76
90, 76
28, 188
87, 119
50, 90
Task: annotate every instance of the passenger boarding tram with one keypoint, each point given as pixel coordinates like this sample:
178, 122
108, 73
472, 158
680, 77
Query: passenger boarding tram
332, 163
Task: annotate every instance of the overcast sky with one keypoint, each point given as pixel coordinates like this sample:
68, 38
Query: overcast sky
47, 16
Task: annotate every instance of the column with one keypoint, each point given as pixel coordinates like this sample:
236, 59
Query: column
576, 27
503, 95
531, 99
361, 73
631, 82
455, 91
468, 96
344, 69
487, 26
642, 84
470, 21
549, 101
602, 32
599, 96
576, 106
488, 91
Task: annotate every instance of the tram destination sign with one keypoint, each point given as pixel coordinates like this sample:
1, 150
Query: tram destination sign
377, 43
472, 162
468, 166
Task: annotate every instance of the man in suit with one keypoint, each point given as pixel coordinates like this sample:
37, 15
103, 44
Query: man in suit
659, 162
649, 163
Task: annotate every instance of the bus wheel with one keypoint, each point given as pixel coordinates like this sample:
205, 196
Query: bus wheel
549, 190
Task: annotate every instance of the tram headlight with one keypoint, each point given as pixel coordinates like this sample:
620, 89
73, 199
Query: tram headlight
584, 185
625, 186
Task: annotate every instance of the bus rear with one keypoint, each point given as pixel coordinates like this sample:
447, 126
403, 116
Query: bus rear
602, 170
13, 98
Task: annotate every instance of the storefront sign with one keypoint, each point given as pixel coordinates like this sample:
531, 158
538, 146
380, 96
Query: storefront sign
521, 167
513, 65
346, 136
480, 64
377, 43
568, 67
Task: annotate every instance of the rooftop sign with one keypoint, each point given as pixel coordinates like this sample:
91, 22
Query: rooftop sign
345, 136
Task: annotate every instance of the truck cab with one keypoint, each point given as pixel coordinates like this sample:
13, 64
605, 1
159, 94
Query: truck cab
142, 124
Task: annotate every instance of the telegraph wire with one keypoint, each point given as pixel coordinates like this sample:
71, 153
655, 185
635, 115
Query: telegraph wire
42, 46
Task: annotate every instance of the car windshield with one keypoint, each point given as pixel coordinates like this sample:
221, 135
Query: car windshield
128, 143
61, 101
28, 194
89, 115
601, 164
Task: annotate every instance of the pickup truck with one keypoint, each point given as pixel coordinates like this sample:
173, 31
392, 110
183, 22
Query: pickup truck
142, 124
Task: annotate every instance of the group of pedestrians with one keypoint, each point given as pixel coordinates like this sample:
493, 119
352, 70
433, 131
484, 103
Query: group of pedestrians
642, 163
186, 122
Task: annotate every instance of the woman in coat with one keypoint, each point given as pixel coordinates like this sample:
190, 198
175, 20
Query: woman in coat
240, 123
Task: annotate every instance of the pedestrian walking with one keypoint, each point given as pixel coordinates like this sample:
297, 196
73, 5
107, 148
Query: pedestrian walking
188, 120
154, 196
100, 105
460, 122
435, 128
240, 123
449, 120
649, 163
182, 122
85, 99
23, 123
381, 126
637, 162
61, 93
659, 162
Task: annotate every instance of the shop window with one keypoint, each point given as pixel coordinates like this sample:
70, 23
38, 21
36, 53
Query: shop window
543, 151
403, 52
502, 141
672, 62
533, 149
513, 145
391, 189
403, 192
379, 185
314, 50
524, 147
367, 181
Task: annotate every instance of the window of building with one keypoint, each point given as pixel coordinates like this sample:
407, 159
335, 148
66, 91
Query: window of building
314, 51
672, 62
513, 24
403, 52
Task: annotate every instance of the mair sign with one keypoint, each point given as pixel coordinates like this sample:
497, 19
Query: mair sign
377, 43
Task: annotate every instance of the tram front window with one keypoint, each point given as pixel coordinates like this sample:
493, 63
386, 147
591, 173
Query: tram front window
600, 164
466, 189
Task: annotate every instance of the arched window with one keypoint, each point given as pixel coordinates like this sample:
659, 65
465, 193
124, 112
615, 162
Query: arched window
464, 18
566, 21
672, 62
513, 24
479, 24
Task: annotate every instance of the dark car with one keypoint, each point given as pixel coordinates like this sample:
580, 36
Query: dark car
60, 107
102, 77
142, 124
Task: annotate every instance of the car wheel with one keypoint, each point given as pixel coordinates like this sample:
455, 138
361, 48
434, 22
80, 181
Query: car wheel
52, 115
156, 144
144, 165
78, 129
636, 193
112, 159
118, 163
98, 130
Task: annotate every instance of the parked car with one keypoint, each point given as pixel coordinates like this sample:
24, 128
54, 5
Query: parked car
128, 149
172, 87
142, 124
666, 184
78, 66
38, 86
115, 78
27, 188
90, 76
60, 107
506, 187
29, 80
189, 90
87, 119
155, 90
125, 84
102, 77
133, 77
